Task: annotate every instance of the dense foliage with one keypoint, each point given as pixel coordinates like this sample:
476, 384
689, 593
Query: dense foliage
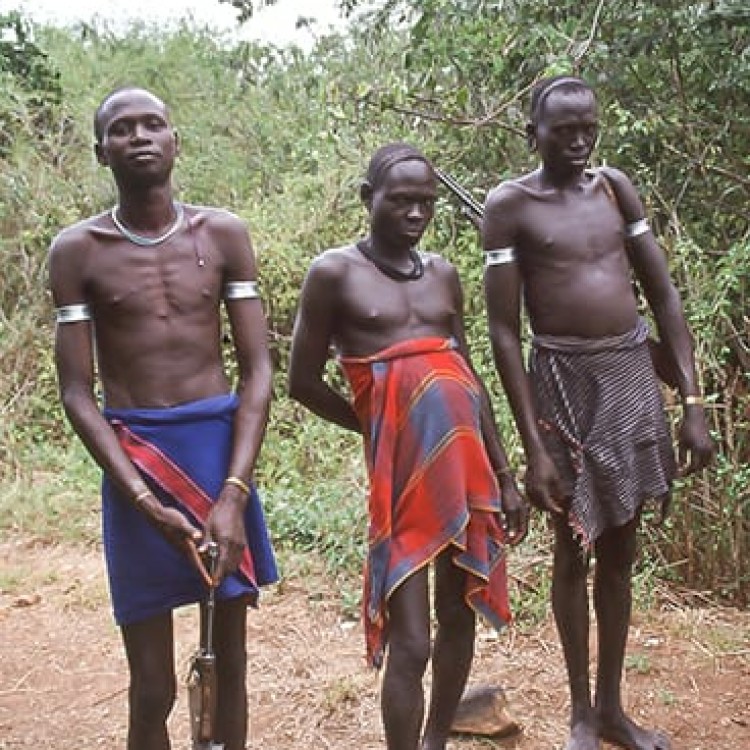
281, 136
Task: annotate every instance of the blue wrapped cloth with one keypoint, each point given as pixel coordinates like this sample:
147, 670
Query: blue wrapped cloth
147, 575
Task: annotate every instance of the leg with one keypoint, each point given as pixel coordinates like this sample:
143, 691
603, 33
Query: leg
402, 699
570, 607
230, 636
150, 652
615, 553
453, 650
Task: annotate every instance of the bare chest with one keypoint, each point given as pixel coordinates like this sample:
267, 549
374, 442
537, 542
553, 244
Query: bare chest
166, 280
574, 228
370, 302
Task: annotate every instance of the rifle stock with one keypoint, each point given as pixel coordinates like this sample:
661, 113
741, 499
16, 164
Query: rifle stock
468, 201
202, 679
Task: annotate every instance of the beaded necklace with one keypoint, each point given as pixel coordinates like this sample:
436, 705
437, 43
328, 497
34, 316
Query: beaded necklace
143, 241
416, 272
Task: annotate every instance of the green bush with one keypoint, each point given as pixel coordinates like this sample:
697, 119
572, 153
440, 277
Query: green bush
281, 137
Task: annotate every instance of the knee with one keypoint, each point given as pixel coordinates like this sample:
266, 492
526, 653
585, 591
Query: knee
613, 572
455, 619
615, 555
409, 653
151, 700
570, 568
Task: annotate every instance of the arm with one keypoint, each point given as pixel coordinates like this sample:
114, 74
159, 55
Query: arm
74, 362
502, 284
311, 339
650, 266
254, 386
514, 507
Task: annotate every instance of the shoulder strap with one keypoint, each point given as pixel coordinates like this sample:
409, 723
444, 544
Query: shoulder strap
608, 189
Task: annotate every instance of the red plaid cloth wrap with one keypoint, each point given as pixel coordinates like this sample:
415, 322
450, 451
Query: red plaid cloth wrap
431, 482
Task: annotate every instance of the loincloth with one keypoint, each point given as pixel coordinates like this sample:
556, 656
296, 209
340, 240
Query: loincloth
183, 455
431, 482
603, 424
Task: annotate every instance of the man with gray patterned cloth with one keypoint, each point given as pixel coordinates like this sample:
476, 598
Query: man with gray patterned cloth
566, 239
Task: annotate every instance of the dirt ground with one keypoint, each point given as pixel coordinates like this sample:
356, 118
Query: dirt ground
63, 675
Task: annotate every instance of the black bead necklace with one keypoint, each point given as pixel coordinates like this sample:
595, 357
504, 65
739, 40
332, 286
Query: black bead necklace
416, 272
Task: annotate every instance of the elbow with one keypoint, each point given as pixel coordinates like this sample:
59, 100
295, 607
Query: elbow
301, 388
295, 386
74, 402
257, 379
503, 340
296, 389
667, 305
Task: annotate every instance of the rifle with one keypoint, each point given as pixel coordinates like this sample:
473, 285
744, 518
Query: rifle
471, 207
202, 687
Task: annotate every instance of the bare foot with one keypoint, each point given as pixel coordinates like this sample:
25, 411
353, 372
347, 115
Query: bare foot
583, 736
622, 731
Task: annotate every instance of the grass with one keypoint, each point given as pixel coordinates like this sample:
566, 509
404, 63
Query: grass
639, 663
55, 499
313, 485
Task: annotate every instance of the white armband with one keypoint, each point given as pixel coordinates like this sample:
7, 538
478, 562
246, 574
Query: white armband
636, 229
72, 313
241, 290
500, 257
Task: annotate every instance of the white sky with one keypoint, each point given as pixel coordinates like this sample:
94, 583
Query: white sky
269, 24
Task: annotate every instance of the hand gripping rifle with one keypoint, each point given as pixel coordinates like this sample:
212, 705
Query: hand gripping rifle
202, 687
470, 207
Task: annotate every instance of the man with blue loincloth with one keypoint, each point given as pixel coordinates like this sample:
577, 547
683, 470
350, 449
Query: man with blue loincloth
590, 411
137, 290
440, 483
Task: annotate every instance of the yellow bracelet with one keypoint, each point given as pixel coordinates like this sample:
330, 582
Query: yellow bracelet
237, 482
693, 401
141, 496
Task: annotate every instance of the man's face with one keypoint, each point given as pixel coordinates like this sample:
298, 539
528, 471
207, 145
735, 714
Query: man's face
403, 204
138, 142
566, 130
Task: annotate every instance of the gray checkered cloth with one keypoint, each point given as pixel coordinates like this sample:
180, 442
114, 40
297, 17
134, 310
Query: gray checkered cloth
602, 416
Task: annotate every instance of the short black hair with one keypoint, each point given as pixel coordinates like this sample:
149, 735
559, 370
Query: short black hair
543, 88
389, 155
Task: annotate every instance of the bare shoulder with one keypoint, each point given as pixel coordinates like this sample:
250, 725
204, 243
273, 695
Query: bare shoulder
78, 238
215, 219
510, 194
227, 234
625, 192
333, 264
438, 264
68, 260
616, 178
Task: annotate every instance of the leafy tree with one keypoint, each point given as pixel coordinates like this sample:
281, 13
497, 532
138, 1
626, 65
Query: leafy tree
281, 137
669, 76
246, 8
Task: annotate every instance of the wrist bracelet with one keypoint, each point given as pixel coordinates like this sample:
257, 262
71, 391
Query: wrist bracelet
237, 482
141, 496
693, 401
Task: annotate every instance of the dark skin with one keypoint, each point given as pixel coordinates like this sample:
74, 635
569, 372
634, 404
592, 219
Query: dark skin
573, 270
348, 303
158, 344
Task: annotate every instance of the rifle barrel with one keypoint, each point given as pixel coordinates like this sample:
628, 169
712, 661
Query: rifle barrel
460, 192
